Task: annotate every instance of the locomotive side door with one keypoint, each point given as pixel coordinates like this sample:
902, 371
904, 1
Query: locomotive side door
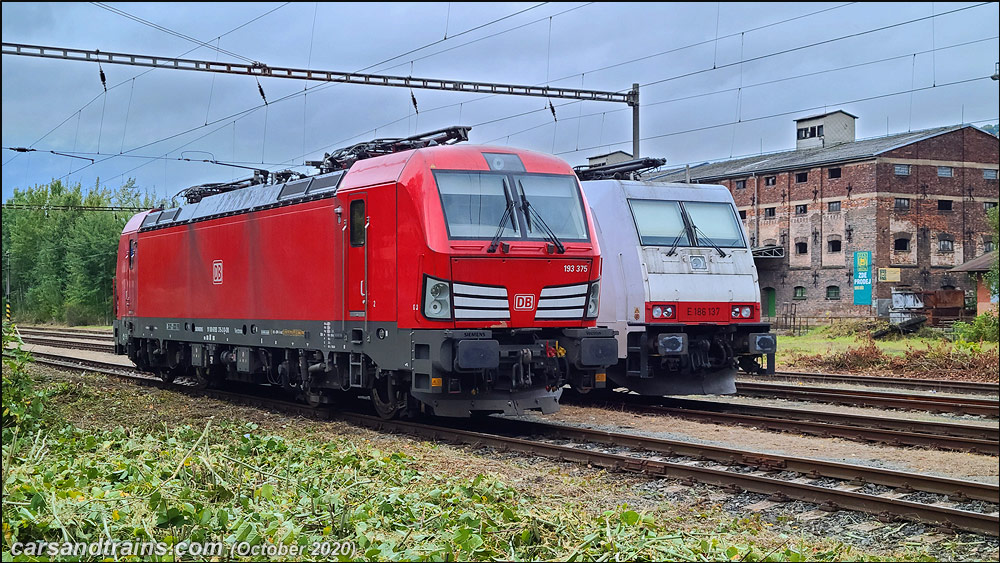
131, 271
356, 278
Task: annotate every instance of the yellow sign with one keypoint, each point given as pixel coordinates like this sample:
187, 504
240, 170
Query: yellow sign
888, 274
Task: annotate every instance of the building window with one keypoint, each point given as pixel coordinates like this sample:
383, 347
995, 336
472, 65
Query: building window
987, 205
989, 174
833, 206
801, 177
809, 132
833, 173
833, 246
740, 184
800, 292
801, 209
944, 171
833, 292
946, 245
772, 180
769, 212
901, 244
743, 214
987, 245
901, 169
801, 248
902, 204
944, 205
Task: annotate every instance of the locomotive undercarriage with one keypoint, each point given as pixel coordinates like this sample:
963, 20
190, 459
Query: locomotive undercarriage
693, 359
402, 373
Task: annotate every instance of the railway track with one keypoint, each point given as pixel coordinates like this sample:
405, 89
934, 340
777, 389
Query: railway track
102, 345
958, 504
863, 428
878, 399
930, 385
752, 384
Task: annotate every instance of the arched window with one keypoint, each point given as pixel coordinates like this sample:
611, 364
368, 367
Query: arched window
833, 292
801, 248
800, 292
946, 243
901, 244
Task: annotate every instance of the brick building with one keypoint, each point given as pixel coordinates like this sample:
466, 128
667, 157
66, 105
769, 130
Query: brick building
917, 200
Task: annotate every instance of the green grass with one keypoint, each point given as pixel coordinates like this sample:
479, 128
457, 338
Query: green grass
108, 461
925, 354
818, 341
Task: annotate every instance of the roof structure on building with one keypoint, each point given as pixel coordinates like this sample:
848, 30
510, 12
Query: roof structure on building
819, 115
628, 154
981, 264
800, 159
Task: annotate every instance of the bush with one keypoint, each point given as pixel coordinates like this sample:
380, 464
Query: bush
78, 314
22, 404
984, 328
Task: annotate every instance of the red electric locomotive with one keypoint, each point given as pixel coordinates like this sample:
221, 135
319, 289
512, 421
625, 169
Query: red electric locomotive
432, 277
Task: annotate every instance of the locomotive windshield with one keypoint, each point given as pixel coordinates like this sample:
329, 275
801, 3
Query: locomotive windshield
677, 223
475, 202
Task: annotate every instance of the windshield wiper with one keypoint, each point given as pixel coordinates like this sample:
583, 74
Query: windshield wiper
677, 240
709, 240
508, 212
528, 210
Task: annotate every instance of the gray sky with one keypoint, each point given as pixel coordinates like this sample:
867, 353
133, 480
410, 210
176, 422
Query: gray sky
717, 80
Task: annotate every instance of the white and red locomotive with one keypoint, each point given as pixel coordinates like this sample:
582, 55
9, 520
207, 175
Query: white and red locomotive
679, 283
430, 277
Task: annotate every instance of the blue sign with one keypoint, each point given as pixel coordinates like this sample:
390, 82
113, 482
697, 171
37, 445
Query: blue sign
863, 277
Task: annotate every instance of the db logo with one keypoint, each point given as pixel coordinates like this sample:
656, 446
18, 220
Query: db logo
524, 302
217, 272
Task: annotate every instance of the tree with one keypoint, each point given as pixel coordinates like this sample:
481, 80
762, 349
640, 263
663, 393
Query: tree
61, 262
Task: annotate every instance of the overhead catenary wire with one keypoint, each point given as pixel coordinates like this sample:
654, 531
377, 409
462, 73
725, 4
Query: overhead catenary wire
757, 28
550, 108
159, 27
145, 72
713, 92
786, 113
246, 112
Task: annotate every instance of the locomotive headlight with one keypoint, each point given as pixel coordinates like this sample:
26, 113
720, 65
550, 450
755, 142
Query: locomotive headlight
437, 299
593, 300
736, 312
668, 312
745, 312
657, 312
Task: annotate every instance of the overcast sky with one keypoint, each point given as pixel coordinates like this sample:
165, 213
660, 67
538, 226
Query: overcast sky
717, 80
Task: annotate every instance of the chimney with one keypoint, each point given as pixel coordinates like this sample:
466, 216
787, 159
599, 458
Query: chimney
824, 130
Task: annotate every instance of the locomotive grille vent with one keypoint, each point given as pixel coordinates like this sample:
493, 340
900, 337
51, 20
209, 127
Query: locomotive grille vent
476, 302
564, 302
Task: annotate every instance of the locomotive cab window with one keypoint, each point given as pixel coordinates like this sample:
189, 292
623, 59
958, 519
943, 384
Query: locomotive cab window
477, 205
659, 223
131, 253
677, 223
358, 222
714, 224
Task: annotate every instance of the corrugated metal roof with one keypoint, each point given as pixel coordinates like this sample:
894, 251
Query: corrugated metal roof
981, 264
800, 159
